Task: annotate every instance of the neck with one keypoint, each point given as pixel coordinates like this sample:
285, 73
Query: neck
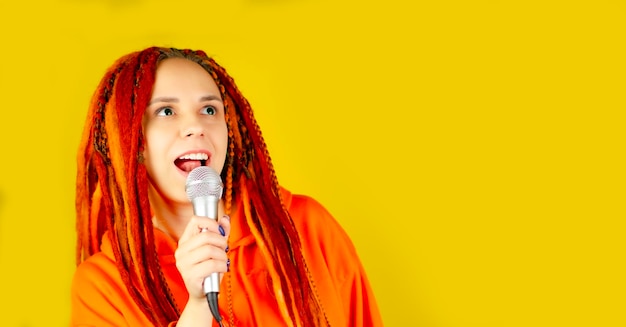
172, 217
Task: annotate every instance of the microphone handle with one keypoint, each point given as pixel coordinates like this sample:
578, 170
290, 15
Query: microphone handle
206, 206
211, 283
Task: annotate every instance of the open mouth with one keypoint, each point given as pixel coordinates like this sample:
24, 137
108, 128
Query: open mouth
189, 162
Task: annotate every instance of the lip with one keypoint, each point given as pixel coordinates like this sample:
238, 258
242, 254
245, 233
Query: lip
185, 173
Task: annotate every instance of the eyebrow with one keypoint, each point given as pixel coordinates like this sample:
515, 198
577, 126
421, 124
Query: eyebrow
175, 100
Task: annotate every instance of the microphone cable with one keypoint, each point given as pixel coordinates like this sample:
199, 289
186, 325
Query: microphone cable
212, 299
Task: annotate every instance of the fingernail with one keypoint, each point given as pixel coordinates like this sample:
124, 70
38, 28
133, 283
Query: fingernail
226, 250
228, 265
222, 231
227, 217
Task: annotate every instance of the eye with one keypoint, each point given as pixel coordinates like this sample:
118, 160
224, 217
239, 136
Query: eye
165, 111
209, 110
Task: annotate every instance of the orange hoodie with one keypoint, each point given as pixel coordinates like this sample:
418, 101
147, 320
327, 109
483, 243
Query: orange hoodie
99, 297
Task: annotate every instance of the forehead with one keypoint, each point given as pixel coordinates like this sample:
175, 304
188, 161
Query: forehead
177, 73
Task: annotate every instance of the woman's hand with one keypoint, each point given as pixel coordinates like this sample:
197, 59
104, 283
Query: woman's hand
202, 251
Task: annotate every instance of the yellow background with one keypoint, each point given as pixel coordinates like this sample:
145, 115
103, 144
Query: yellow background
474, 150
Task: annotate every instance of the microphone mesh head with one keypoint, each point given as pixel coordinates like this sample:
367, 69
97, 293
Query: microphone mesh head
203, 181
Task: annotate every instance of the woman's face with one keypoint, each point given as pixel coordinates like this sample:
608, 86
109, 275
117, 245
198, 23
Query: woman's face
184, 127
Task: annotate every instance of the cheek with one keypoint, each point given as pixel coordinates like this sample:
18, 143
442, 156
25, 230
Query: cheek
147, 149
224, 139
151, 148
147, 160
225, 136
220, 142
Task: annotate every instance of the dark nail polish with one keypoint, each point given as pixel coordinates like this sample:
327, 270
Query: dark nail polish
226, 250
228, 265
222, 231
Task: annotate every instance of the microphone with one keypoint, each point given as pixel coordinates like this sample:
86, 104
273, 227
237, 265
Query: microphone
204, 189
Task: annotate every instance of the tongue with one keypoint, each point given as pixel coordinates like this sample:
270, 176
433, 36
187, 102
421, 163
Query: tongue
187, 165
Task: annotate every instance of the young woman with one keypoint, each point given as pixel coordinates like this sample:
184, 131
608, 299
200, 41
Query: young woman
143, 255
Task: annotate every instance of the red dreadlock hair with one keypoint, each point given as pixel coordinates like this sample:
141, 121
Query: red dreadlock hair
112, 187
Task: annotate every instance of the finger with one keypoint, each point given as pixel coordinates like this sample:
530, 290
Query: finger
200, 271
201, 239
199, 255
224, 222
197, 224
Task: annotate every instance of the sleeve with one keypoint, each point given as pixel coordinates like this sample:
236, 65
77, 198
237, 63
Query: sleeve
362, 307
94, 296
339, 273
99, 297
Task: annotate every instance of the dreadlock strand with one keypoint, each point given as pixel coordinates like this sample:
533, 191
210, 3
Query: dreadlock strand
144, 270
277, 285
108, 211
229, 190
87, 179
133, 232
121, 240
126, 92
292, 265
143, 233
125, 243
230, 161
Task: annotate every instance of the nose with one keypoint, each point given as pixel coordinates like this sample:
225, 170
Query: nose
192, 128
